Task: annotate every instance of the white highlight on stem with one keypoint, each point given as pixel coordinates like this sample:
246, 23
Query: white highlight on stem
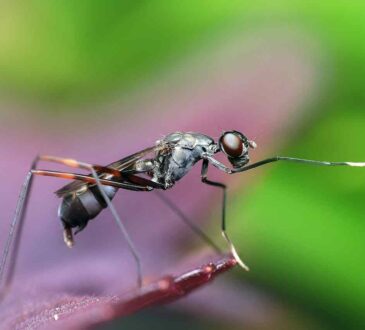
234, 252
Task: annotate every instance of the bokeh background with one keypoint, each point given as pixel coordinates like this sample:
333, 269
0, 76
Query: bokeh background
97, 81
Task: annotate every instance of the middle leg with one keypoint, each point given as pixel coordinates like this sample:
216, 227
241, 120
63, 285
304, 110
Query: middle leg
187, 221
222, 186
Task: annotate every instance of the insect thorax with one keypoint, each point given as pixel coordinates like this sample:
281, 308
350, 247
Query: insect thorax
185, 150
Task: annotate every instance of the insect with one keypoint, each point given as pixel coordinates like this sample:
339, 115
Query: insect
157, 167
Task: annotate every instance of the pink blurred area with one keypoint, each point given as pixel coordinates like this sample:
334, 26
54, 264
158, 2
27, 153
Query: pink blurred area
257, 88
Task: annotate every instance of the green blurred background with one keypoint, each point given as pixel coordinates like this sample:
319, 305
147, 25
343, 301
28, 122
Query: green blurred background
300, 228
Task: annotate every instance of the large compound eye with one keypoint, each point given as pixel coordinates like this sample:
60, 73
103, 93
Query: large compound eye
232, 145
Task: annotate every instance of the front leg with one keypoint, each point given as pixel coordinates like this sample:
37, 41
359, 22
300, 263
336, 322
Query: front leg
220, 166
296, 160
228, 170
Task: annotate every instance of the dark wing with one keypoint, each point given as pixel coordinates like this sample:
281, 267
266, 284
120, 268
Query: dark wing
119, 165
128, 161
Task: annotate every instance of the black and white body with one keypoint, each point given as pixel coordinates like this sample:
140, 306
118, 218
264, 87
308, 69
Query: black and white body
158, 167
173, 158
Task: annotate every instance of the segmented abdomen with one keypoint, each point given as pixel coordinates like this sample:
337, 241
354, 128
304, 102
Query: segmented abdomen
77, 209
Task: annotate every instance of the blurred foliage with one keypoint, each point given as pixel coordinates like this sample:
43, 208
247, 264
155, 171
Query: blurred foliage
302, 227
67, 51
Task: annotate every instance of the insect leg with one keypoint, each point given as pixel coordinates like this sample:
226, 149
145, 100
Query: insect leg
228, 170
297, 160
187, 221
147, 165
134, 179
204, 173
16, 225
216, 163
121, 226
67, 231
77, 164
15, 230
90, 179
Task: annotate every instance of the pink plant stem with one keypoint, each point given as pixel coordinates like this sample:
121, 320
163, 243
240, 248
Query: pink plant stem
167, 289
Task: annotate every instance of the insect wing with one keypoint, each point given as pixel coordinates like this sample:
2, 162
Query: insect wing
128, 161
119, 165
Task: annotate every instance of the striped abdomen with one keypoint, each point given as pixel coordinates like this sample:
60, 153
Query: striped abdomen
76, 209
